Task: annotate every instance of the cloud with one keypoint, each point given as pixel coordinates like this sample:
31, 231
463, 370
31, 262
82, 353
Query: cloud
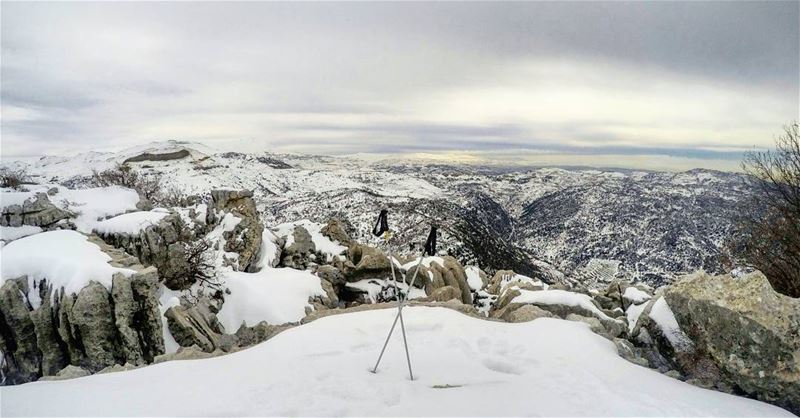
671, 78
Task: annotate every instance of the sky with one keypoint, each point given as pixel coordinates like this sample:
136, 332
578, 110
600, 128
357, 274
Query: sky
697, 82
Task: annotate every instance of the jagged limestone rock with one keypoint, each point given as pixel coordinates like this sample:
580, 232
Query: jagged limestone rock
301, 252
198, 325
93, 316
444, 294
337, 231
245, 239
524, 313
22, 357
749, 331
258, 333
47, 339
38, 211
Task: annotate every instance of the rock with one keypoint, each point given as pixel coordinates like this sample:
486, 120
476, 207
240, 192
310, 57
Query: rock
259, 333
451, 304
302, 250
38, 211
331, 274
137, 316
93, 316
369, 263
336, 231
245, 239
524, 313
197, 325
187, 353
47, 339
443, 294
118, 368
746, 329
22, 357
69, 372
627, 351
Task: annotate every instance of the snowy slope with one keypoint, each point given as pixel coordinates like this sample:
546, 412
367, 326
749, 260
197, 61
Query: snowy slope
464, 366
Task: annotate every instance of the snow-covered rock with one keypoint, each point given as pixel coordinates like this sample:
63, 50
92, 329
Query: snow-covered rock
459, 362
62, 302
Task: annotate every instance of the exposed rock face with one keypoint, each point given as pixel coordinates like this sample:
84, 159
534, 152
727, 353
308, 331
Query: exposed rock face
302, 250
448, 273
336, 230
368, 262
750, 332
38, 211
92, 329
69, 372
196, 327
162, 245
164, 156
245, 239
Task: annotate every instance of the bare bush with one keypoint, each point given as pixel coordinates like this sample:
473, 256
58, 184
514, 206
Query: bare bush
123, 175
770, 224
149, 186
13, 178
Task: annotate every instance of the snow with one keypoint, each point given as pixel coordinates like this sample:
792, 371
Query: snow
506, 279
11, 233
463, 367
665, 319
633, 313
268, 250
426, 261
130, 223
275, 295
635, 295
15, 198
374, 287
560, 297
65, 258
92, 205
167, 299
322, 243
473, 277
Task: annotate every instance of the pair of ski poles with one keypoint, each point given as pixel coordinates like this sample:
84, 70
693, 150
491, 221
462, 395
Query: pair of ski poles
382, 229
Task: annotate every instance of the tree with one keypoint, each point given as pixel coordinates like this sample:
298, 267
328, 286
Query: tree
770, 225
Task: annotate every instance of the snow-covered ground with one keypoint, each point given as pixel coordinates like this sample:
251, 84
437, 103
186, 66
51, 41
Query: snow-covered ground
463, 367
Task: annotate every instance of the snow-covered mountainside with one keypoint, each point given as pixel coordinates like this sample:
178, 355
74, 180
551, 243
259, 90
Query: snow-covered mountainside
466, 367
587, 224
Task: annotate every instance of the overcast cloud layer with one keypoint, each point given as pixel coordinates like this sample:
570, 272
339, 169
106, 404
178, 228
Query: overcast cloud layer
698, 80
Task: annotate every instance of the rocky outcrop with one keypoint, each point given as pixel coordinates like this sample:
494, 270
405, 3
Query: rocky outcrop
163, 245
447, 273
38, 211
301, 252
195, 327
92, 329
336, 230
745, 329
245, 238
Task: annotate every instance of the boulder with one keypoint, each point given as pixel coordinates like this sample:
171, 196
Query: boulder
258, 333
187, 353
443, 294
744, 328
369, 263
524, 313
38, 211
336, 230
69, 372
331, 274
245, 239
22, 357
301, 252
197, 325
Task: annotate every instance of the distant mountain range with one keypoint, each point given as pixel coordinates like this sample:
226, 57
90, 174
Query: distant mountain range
546, 222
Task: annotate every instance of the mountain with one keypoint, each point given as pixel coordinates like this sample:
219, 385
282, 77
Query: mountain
543, 222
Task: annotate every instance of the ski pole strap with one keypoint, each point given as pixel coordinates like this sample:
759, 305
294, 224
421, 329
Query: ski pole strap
381, 224
430, 243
